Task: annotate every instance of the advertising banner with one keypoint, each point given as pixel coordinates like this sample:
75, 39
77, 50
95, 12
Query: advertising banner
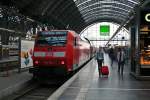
26, 53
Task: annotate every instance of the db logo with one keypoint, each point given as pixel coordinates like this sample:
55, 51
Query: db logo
147, 17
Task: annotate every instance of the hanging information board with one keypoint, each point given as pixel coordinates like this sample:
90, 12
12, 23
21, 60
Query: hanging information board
104, 30
26, 53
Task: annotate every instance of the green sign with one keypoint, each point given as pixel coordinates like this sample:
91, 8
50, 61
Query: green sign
104, 30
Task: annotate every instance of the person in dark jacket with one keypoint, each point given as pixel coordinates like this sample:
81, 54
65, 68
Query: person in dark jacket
112, 56
121, 60
100, 59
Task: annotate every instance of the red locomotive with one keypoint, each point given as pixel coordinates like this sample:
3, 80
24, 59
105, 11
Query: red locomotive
59, 52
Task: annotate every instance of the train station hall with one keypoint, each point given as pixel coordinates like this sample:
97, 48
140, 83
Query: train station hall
74, 49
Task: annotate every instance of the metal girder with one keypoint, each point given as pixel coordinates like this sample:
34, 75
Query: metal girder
91, 8
22, 3
104, 15
120, 27
54, 20
69, 16
100, 3
145, 3
103, 20
105, 7
72, 13
107, 11
68, 12
98, 9
123, 1
65, 6
50, 9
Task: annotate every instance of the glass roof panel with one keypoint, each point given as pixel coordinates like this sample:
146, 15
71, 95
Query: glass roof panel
105, 16
105, 7
91, 9
122, 5
113, 16
80, 2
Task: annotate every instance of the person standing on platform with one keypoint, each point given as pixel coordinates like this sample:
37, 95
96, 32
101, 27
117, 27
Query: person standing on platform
100, 59
112, 56
121, 60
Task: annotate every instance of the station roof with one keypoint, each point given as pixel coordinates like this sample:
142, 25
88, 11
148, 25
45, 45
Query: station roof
114, 10
75, 14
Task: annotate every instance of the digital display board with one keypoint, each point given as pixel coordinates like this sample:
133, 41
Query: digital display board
52, 33
104, 30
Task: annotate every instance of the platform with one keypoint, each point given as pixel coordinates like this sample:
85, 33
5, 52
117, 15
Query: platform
9, 59
89, 86
13, 82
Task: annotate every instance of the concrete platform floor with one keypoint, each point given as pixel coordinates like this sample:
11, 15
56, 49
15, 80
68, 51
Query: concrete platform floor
11, 83
89, 86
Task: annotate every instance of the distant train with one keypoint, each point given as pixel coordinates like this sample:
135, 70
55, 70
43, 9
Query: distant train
59, 52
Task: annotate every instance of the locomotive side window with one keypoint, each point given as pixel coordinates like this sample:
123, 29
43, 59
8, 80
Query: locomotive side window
75, 41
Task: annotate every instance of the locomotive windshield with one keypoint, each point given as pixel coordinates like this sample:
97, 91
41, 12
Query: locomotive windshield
52, 38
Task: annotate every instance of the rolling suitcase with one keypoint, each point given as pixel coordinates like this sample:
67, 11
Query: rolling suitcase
104, 70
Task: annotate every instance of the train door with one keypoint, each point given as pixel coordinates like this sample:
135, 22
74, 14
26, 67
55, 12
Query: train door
76, 53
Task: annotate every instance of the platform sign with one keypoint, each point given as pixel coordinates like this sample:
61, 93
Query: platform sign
145, 17
26, 53
104, 30
145, 21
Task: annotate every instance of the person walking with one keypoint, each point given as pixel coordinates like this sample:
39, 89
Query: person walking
100, 59
112, 56
121, 60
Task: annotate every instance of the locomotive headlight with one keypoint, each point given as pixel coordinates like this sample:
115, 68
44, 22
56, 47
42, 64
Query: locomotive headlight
62, 62
36, 62
69, 69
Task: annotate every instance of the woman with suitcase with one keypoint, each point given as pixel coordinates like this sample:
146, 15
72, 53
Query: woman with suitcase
100, 59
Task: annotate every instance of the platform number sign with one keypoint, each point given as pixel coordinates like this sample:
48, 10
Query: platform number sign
104, 30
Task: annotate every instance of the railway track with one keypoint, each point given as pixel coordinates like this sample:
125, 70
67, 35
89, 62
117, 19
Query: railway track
36, 90
36, 93
40, 89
